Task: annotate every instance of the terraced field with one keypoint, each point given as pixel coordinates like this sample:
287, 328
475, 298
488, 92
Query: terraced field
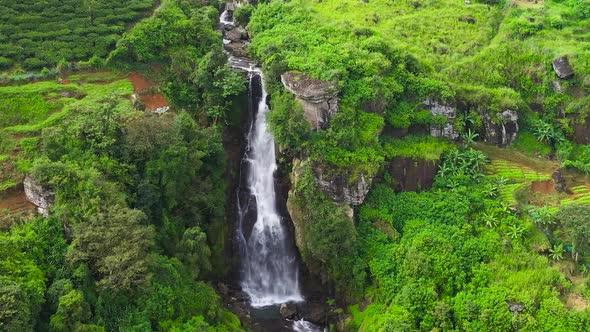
37, 34
519, 175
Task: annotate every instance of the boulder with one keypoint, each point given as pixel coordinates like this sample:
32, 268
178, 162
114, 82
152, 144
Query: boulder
237, 49
40, 196
562, 67
316, 313
318, 98
236, 34
501, 128
288, 310
450, 112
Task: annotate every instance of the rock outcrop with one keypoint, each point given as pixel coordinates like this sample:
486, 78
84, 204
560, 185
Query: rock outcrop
318, 98
500, 129
562, 67
411, 174
340, 189
40, 196
450, 112
235, 40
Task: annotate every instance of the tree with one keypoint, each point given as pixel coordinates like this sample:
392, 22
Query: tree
576, 222
116, 243
194, 251
71, 312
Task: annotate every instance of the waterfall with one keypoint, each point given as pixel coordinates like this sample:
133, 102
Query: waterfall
269, 267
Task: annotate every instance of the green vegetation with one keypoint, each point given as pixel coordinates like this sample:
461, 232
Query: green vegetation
38, 34
418, 147
137, 232
474, 253
138, 221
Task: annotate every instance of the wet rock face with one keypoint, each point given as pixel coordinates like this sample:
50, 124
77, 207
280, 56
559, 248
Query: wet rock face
288, 310
501, 130
318, 98
411, 174
450, 112
562, 67
38, 195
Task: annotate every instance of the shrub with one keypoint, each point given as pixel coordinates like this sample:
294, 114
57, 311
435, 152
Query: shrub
242, 14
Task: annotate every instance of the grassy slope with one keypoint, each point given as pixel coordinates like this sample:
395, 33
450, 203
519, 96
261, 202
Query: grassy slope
18, 134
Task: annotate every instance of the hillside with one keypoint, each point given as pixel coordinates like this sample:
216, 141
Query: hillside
303, 165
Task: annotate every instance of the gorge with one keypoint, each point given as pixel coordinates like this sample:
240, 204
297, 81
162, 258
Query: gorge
269, 263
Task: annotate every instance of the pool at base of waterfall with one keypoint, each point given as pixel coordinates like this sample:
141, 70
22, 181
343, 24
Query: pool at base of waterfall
268, 319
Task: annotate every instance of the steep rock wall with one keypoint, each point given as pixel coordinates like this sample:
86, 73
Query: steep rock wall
318, 98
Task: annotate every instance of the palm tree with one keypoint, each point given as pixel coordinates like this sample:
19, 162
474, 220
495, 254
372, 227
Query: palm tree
544, 132
444, 170
500, 181
468, 120
490, 190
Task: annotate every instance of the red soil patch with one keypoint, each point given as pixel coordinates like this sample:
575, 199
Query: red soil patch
140, 86
139, 82
543, 187
154, 101
15, 202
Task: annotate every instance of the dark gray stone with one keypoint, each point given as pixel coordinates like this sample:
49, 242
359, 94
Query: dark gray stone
562, 67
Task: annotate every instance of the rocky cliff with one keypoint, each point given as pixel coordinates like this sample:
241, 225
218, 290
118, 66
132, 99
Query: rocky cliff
501, 128
411, 174
449, 112
318, 98
40, 196
341, 187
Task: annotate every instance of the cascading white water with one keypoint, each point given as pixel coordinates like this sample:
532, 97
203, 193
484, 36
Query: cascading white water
303, 326
269, 268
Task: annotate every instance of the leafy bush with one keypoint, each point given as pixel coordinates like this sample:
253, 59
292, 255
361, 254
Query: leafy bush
287, 122
578, 157
242, 14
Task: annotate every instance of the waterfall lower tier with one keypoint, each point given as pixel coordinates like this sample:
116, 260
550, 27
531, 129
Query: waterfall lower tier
269, 269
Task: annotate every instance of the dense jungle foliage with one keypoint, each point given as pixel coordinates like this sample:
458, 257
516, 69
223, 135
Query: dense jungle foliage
494, 240
481, 251
138, 221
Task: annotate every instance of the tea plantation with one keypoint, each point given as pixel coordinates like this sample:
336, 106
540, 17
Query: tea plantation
37, 34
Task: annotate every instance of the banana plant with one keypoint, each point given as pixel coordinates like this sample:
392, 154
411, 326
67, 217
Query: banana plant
556, 252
